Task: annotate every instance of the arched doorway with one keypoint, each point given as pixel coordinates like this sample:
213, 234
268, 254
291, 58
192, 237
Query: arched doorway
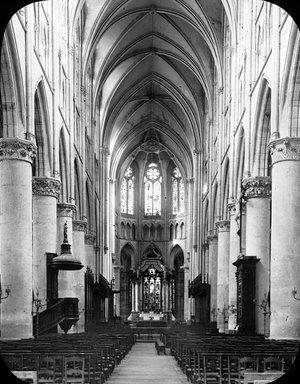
125, 286
178, 294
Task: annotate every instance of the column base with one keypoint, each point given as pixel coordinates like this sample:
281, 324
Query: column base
134, 317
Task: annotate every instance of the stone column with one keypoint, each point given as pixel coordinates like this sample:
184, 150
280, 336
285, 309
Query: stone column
257, 193
285, 239
134, 290
117, 269
45, 193
213, 274
234, 252
66, 279
223, 266
187, 315
16, 158
79, 228
136, 305
164, 287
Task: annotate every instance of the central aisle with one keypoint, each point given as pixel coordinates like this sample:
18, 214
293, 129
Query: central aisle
142, 365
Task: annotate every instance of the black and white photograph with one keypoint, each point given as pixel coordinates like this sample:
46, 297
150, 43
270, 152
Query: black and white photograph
149, 192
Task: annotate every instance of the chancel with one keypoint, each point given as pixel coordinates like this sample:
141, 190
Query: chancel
149, 191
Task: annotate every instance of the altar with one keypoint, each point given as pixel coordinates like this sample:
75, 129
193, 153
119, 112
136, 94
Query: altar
151, 316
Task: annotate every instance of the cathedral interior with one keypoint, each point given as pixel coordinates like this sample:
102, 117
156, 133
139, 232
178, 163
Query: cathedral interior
150, 173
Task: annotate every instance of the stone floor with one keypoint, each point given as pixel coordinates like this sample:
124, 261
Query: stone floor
142, 365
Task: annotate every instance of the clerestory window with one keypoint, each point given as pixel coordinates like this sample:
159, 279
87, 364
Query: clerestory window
152, 188
177, 192
127, 192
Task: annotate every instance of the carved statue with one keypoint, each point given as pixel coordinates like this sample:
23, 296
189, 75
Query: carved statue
65, 233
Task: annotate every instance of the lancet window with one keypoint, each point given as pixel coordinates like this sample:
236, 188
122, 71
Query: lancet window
152, 185
177, 192
127, 192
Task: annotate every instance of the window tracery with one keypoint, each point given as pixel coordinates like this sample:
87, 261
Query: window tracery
152, 188
127, 192
177, 192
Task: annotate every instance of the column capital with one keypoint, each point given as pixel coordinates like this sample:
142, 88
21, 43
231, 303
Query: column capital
13, 148
212, 239
287, 148
259, 186
231, 206
45, 186
79, 226
65, 210
223, 226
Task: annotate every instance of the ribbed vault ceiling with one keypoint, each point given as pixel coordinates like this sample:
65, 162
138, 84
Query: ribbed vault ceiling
152, 65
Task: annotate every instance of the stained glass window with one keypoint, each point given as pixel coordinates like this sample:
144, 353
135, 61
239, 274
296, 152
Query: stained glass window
127, 192
177, 192
152, 299
152, 184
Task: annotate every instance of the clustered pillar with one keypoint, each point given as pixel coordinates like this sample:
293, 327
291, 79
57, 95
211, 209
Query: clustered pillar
235, 250
79, 228
223, 280
212, 275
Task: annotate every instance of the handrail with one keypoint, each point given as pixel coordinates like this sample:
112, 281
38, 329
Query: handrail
65, 309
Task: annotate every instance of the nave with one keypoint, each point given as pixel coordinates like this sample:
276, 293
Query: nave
120, 355
143, 365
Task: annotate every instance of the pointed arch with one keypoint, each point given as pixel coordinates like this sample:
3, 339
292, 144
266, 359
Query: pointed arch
262, 131
205, 220
289, 92
128, 231
88, 206
171, 232
122, 234
214, 207
12, 95
63, 167
42, 133
225, 190
133, 231
239, 160
77, 191
126, 259
294, 98
178, 299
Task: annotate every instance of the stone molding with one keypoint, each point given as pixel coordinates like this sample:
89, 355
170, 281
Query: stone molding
260, 186
223, 226
17, 149
65, 210
105, 151
287, 148
45, 186
79, 226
